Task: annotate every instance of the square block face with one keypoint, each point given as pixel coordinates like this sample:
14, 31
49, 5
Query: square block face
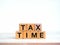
34, 34
38, 27
27, 35
22, 27
42, 35
30, 27
19, 35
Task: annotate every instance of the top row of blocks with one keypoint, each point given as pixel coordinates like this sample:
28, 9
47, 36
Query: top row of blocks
33, 27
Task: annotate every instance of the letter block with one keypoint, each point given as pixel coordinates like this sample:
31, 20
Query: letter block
29, 34
19, 35
30, 27
34, 34
42, 35
22, 27
26, 35
38, 27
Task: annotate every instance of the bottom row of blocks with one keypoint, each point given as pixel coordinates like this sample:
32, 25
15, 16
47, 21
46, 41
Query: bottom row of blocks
29, 35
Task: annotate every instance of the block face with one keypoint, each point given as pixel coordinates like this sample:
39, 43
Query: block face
26, 35
38, 27
29, 34
30, 27
19, 35
42, 35
22, 27
34, 34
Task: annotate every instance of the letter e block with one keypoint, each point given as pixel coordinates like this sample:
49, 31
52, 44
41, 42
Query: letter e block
42, 35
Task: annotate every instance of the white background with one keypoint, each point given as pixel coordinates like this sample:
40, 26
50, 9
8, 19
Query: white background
46, 12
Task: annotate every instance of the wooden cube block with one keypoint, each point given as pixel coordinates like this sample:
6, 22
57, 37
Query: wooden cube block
19, 35
22, 27
34, 34
42, 35
38, 27
30, 27
26, 35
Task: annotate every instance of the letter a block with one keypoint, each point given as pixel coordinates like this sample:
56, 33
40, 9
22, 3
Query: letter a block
30, 27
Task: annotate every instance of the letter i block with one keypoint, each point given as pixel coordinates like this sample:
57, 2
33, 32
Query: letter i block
22, 27
30, 27
19, 35
38, 27
26, 35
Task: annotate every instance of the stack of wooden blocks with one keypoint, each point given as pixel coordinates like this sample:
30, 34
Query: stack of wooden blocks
30, 31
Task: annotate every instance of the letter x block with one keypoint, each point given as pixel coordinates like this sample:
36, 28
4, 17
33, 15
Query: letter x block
38, 27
